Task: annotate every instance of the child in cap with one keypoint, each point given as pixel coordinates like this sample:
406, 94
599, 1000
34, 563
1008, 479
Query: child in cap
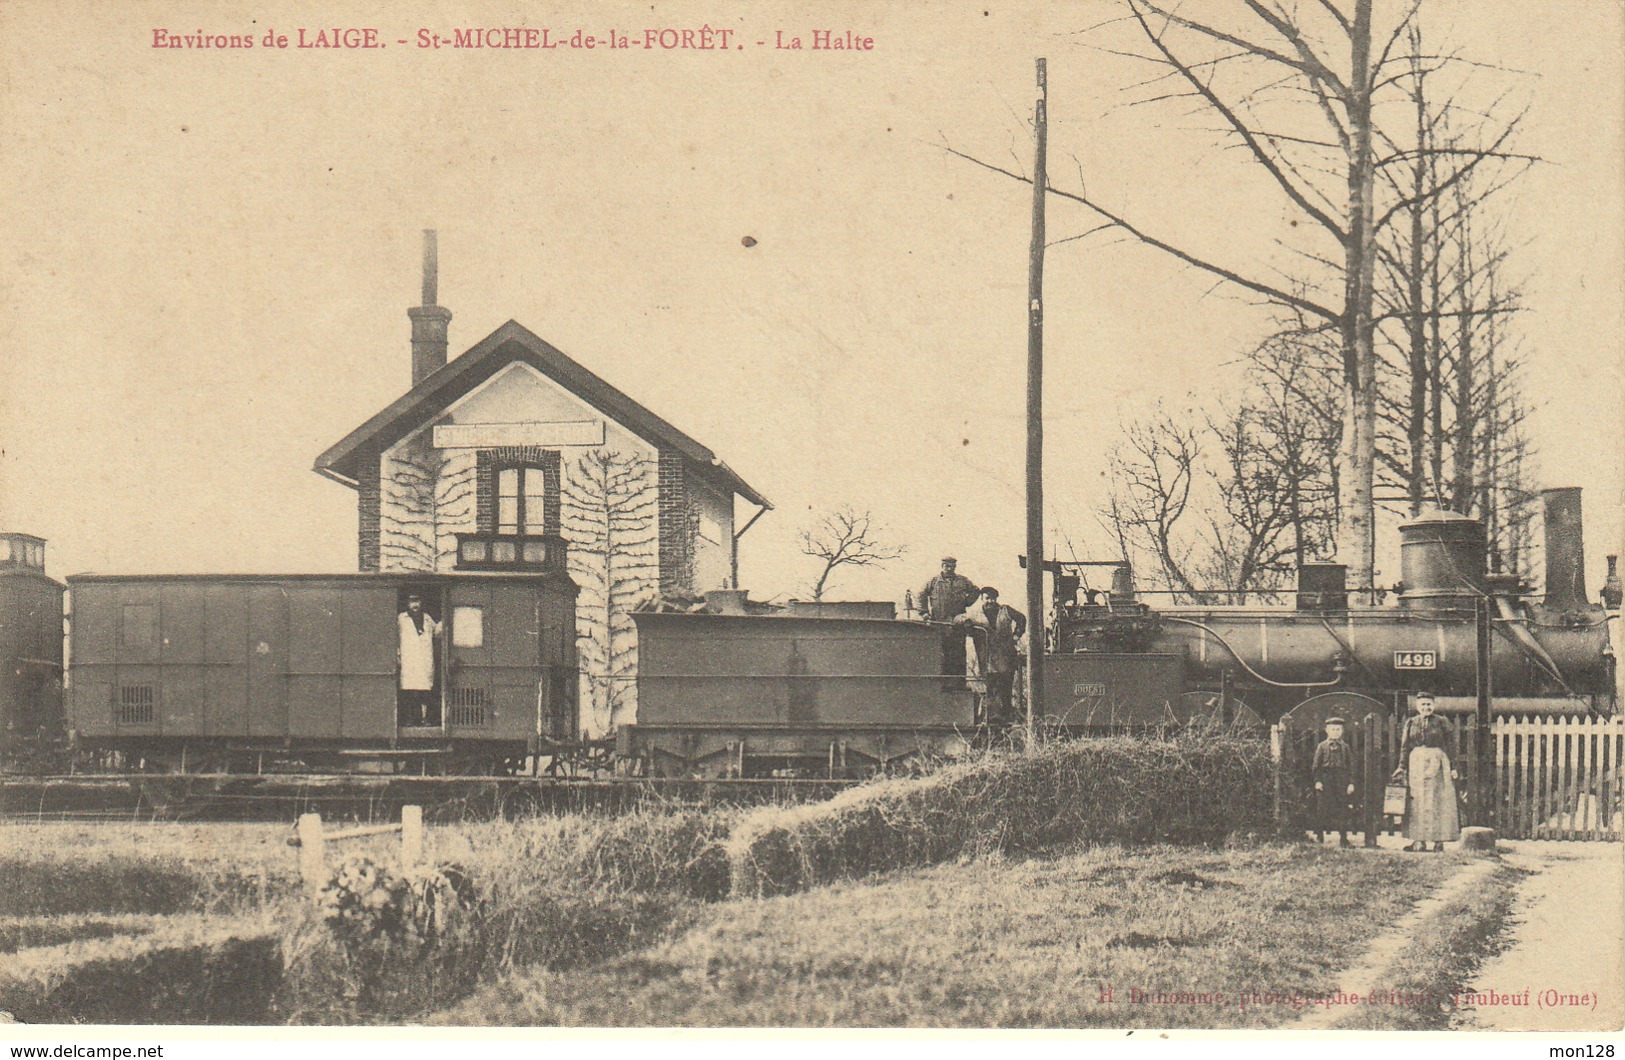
1333, 774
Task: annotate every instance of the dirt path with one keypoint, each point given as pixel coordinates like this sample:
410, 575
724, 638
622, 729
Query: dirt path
1564, 963
1368, 973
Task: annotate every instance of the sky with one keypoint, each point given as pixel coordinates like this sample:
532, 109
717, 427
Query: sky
209, 254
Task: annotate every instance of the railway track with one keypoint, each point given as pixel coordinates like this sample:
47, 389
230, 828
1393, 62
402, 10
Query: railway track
278, 797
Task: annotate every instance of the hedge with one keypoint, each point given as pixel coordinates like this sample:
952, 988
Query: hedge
1121, 790
194, 970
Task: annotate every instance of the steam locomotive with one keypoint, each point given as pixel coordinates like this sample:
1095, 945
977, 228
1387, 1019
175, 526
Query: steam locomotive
1112, 656
298, 673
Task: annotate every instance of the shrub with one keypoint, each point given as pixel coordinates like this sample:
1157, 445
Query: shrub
556, 892
566, 892
1105, 790
642, 852
381, 941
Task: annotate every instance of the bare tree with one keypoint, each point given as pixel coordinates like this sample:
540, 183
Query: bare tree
1298, 88
846, 538
1230, 503
1154, 472
1295, 394
1438, 281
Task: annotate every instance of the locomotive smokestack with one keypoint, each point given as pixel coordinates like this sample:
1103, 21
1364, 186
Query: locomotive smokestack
430, 322
1565, 551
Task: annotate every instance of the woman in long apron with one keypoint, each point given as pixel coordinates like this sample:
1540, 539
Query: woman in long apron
1424, 766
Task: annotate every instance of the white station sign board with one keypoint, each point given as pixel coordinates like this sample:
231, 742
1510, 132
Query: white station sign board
542, 435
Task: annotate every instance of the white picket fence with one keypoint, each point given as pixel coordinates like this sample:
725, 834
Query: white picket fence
1559, 777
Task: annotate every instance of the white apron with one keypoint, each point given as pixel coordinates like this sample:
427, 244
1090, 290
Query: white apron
417, 653
1432, 816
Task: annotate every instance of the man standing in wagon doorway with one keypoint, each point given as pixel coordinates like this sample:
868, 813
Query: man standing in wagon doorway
415, 656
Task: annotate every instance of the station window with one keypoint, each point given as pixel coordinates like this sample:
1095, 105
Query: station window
517, 525
521, 500
26, 553
467, 626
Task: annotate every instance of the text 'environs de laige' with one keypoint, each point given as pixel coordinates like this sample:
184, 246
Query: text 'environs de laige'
665, 38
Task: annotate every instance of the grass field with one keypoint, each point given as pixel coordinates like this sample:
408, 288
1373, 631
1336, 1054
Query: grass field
594, 921
250, 844
144, 867
1103, 937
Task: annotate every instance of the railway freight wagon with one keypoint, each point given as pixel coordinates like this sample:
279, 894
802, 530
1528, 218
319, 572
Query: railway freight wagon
302, 673
810, 694
30, 653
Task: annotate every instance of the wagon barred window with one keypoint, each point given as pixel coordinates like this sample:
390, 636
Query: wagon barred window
469, 707
135, 703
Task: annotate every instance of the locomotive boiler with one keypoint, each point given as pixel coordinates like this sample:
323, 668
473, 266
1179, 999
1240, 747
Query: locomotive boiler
1548, 653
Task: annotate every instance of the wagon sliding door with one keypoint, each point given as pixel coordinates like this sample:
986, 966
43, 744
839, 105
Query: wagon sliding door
495, 661
341, 660
368, 635
315, 661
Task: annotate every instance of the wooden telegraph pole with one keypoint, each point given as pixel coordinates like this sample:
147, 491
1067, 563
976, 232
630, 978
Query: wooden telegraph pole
1035, 428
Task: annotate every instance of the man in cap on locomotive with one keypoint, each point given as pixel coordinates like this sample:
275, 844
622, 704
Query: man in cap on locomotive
944, 599
415, 656
996, 629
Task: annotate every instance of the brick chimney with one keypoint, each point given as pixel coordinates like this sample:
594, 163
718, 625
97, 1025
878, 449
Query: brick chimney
429, 321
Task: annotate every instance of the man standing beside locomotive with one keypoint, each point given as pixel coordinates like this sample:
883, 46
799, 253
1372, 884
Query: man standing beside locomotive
944, 599
996, 628
415, 656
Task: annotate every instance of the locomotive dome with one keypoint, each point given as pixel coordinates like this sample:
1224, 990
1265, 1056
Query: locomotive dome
1442, 560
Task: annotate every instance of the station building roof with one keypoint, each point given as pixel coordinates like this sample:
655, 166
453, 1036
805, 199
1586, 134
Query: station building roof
512, 342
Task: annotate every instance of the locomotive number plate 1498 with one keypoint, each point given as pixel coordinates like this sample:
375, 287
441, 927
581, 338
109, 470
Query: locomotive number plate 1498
1416, 660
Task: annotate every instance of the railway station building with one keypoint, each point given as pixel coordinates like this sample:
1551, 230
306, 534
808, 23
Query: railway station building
515, 457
